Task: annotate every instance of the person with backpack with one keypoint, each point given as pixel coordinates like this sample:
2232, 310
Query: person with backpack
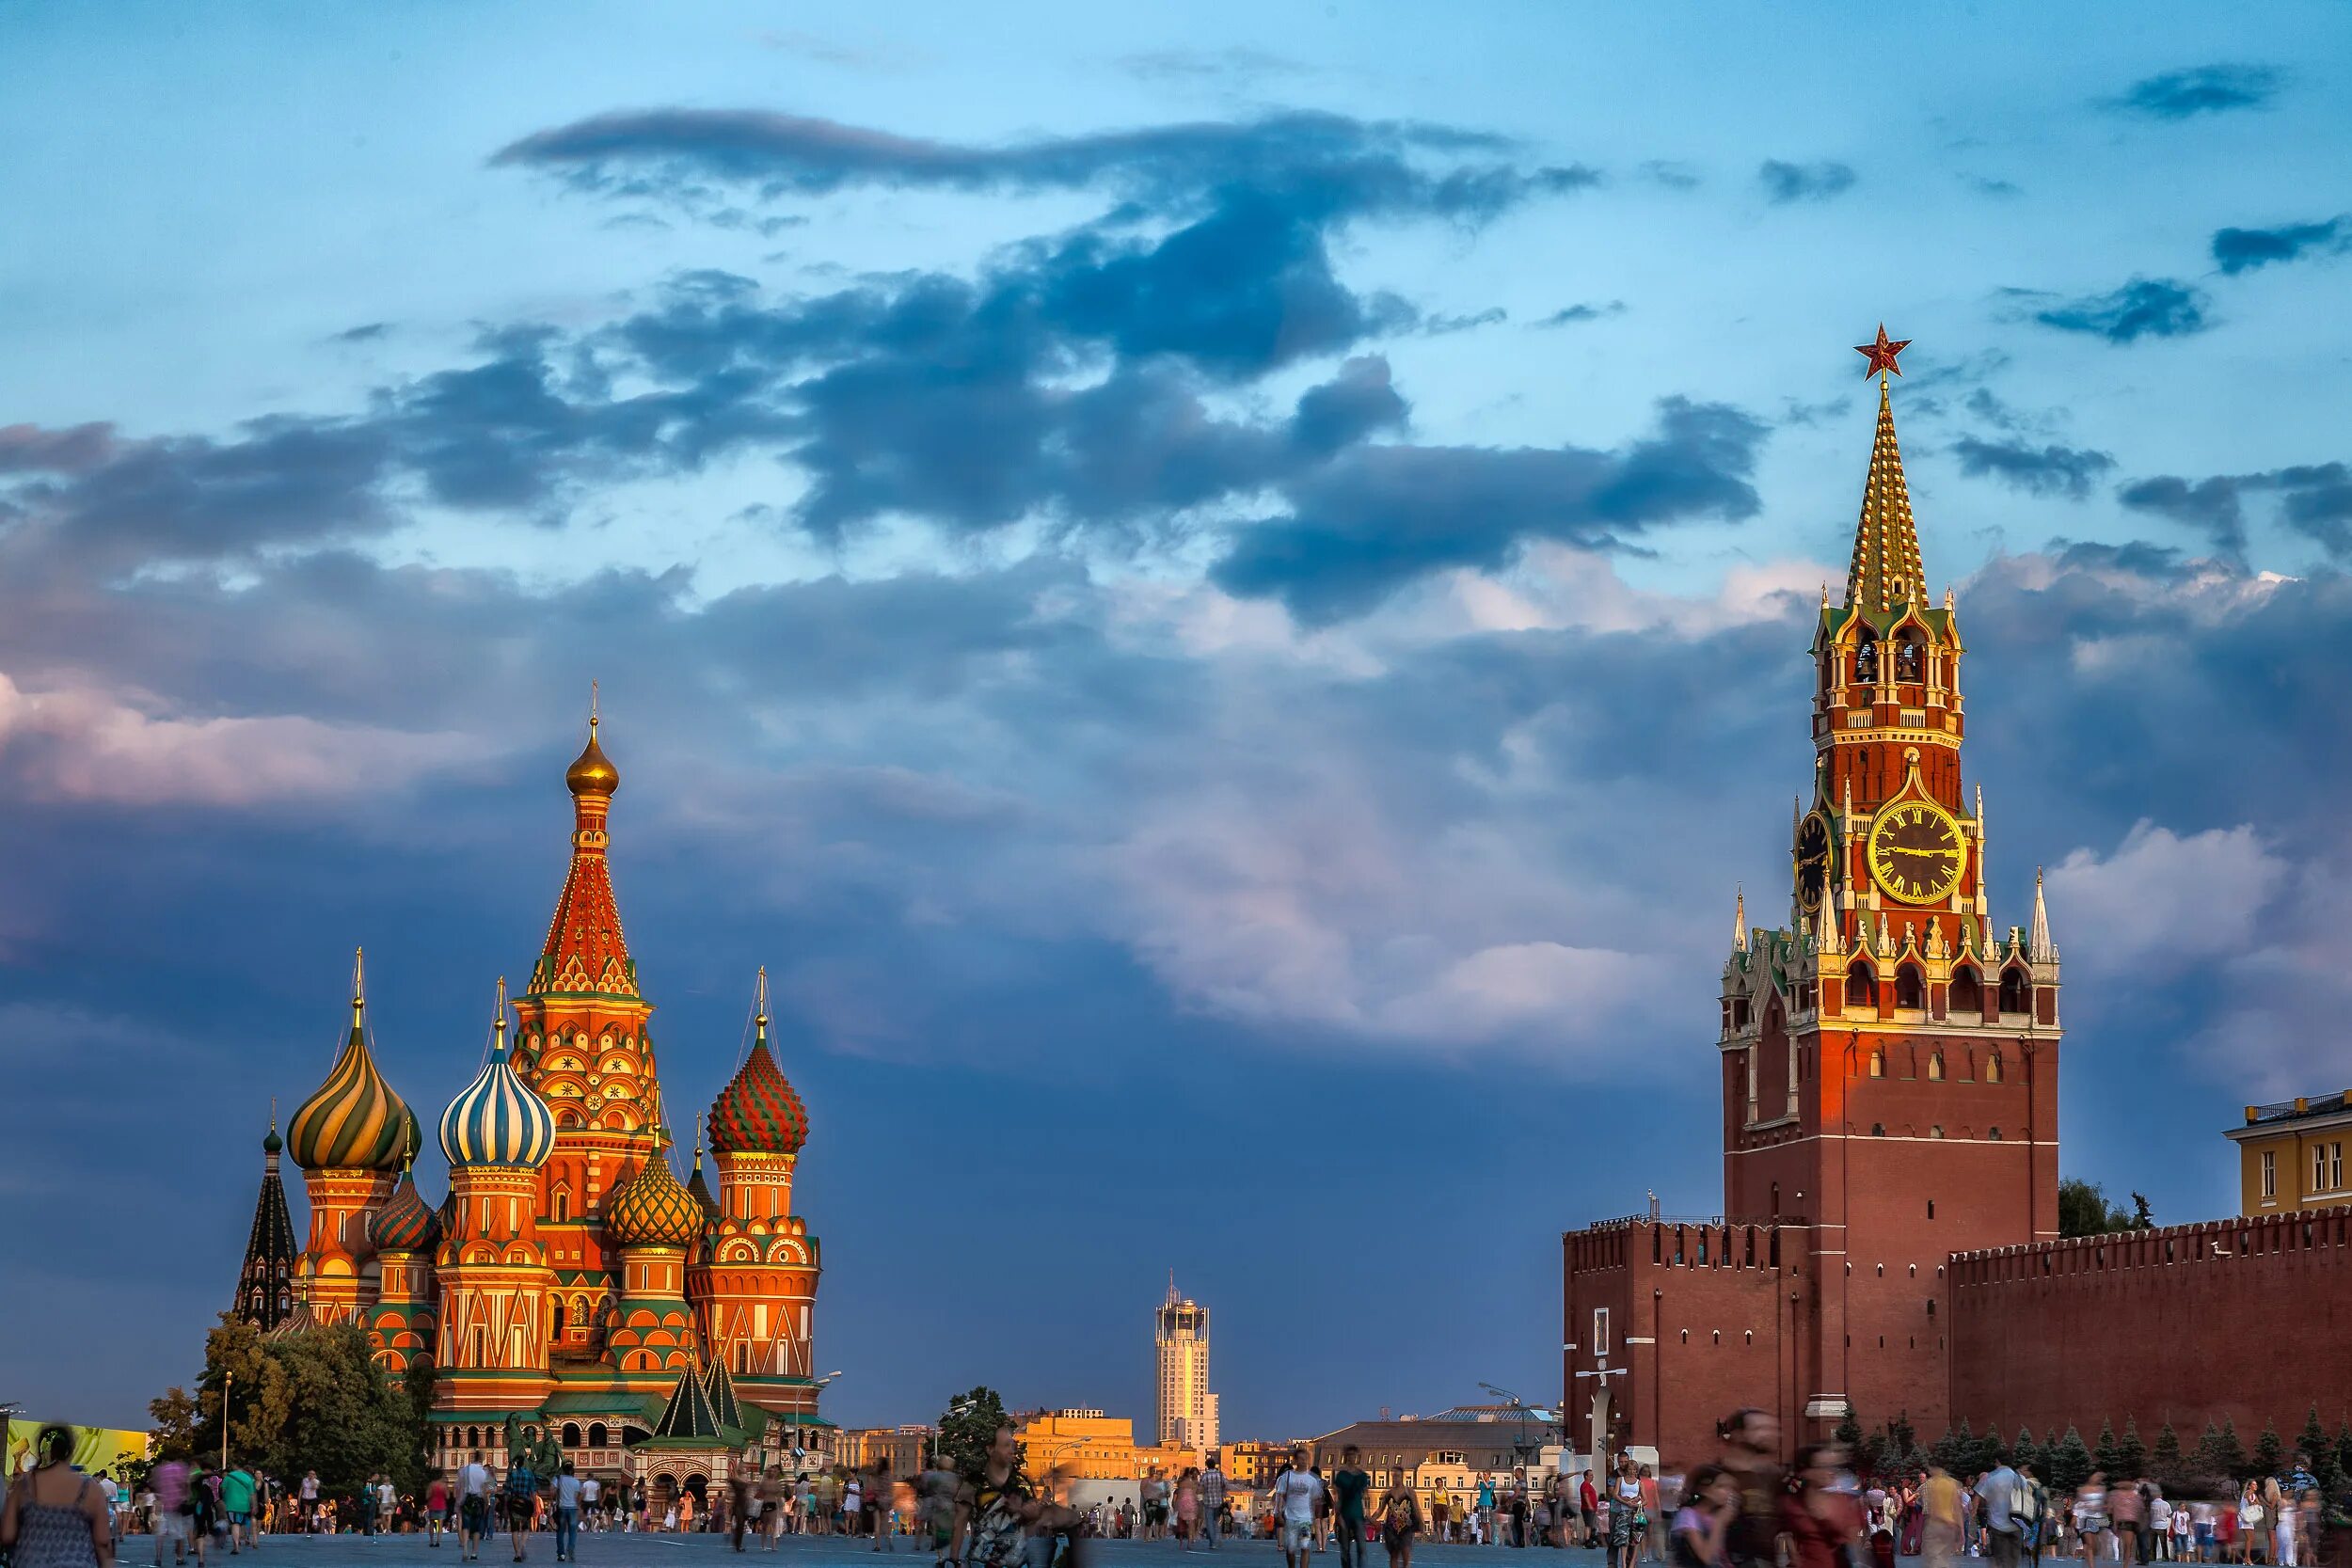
2001, 1490
522, 1501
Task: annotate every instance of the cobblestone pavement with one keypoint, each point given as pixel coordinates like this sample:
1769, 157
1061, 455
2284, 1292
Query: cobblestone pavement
799, 1551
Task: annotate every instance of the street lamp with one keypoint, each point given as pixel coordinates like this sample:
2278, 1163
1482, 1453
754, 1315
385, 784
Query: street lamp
819, 1384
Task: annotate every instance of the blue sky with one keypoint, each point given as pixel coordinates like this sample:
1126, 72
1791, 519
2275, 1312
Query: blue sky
1219, 592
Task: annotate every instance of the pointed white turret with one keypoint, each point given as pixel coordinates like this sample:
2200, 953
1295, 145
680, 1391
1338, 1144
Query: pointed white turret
2039, 947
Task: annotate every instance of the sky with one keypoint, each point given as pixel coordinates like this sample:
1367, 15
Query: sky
1219, 593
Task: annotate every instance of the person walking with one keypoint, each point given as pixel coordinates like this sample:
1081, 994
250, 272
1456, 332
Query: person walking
1187, 1505
1295, 1493
236, 1500
567, 1506
1212, 1488
2003, 1493
1400, 1521
55, 1517
1940, 1499
1351, 1490
473, 1508
522, 1502
435, 1508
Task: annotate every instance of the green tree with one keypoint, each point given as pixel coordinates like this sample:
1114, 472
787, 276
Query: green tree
237, 1360
2070, 1461
968, 1426
1954, 1448
2084, 1210
2131, 1454
2313, 1441
1849, 1432
2269, 1452
1874, 1456
2164, 1460
2343, 1448
347, 1419
1905, 1438
2219, 1452
2106, 1454
2027, 1452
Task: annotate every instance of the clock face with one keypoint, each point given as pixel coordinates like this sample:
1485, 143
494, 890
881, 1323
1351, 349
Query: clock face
1915, 852
1812, 861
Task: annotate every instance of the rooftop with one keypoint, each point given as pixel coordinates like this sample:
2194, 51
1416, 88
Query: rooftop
2299, 1108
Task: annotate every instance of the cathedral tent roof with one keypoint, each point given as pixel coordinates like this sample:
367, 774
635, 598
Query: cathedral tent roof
687, 1420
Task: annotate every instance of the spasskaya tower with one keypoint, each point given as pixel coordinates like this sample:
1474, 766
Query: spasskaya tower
1888, 1058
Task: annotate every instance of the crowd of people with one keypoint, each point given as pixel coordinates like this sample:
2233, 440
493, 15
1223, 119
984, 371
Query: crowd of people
1742, 1510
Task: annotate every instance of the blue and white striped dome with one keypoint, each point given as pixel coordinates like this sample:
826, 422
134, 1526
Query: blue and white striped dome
499, 1120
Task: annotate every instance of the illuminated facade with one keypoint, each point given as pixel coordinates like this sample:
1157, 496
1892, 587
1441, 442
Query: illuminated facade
1188, 1409
569, 1279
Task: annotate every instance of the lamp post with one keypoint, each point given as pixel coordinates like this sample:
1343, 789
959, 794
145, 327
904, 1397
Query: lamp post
820, 1385
227, 1380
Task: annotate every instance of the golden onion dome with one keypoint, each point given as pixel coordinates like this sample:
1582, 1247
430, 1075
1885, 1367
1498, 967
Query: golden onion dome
652, 1209
352, 1121
592, 772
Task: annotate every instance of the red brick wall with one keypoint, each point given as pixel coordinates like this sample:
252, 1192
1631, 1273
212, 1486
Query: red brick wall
1700, 1338
2243, 1320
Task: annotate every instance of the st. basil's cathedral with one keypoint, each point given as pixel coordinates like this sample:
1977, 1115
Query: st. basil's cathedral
570, 1280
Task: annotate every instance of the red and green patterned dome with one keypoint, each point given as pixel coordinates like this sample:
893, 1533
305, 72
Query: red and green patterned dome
757, 1112
405, 1224
652, 1209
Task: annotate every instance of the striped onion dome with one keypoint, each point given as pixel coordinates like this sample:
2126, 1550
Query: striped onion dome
652, 1209
353, 1121
498, 1120
757, 1112
405, 1224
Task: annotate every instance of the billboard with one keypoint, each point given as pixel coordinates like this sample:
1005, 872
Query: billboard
95, 1449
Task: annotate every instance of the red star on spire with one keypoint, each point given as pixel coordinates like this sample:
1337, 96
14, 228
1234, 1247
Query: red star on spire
1882, 354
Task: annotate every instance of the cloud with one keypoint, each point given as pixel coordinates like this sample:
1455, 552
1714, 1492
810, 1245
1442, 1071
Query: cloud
1239, 66
2144, 308
2208, 89
1381, 516
1571, 315
88, 746
2237, 250
1319, 165
2315, 499
1815, 181
1985, 185
2134, 905
1674, 176
2050, 470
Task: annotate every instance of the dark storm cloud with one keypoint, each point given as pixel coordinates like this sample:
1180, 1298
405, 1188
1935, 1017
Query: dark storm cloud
2144, 308
2049, 470
2237, 250
1384, 516
1573, 315
2315, 499
2208, 89
1327, 166
1815, 181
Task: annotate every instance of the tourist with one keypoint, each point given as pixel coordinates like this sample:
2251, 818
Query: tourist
1562, 1492
1154, 1494
473, 1508
521, 1494
1653, 1536
2035, 1528
1939, 1499
1820, 1523
2127, 1511
1400, 1521
2184, 1534
2001, 1491
2250, 1514
567, 1496
55, 1517
436, 1508
1212, 1499
174, 1506
1517, 1508
935, 1490
1486, 1527
999, 1509
236, 1501
1751, 1445
593, 1506
1711, 1500
874, 1497
1295, 1493
1589, 1507
310, 1493
1350, 1490
1626, 1525
1187, 1504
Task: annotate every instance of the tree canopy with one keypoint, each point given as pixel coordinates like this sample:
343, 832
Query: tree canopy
2084, 1210
968, 1426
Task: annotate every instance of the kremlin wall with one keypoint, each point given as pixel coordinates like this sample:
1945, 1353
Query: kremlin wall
568, 1281
1890, 1060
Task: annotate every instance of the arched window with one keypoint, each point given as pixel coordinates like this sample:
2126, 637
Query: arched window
1910, 655
2016, 994
1935, 1131
1935, 1068
1878, 1064
1862, 987
1910, 987
1993, 1068
1995, 1135
559, 1320
563, 1204
1967, 990
571, 1434
1865, 657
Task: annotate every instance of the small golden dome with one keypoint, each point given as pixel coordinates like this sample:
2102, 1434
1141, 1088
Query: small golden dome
593, 773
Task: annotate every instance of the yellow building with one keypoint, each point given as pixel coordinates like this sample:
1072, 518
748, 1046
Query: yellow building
2291, 1155
1084, 1443
906, 1448
1254, 1465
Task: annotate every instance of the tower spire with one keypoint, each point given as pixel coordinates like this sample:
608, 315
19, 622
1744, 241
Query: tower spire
586, 952
1886, 570
1739, 920
2039, 947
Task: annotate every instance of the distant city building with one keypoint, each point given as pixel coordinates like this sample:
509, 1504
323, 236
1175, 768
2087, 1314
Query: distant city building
2290, 1154
1188, 1409
906, 1448
1447, 1456
1087, 1445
